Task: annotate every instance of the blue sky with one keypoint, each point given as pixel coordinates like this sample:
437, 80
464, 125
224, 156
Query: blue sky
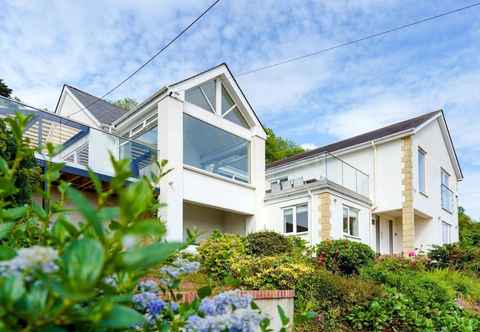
95, 44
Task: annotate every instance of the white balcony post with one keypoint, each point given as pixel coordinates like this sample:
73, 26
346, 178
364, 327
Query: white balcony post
170, 146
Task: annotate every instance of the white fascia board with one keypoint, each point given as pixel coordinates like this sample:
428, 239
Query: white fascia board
232, 87
338, 153
82, 107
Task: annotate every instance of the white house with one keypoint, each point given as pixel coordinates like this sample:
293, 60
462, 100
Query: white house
208, 132
394, 188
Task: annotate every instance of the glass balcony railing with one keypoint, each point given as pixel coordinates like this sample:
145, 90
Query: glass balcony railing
82, 146
340, 172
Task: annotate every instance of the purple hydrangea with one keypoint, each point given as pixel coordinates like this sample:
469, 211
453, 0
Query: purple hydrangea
224, 303
154, 307
178, 268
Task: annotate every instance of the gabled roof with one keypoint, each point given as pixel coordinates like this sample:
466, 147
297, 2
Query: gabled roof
104, 111
363, 138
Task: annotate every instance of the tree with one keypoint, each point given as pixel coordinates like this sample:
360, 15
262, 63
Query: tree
277, 148
4, 89
469, 228
127, 104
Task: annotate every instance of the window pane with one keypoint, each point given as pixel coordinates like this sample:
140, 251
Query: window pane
302, 218
345, 220
237, 117
353, 222
149, 137
288, 220
421, 171
227, 101
215, 150
196, 95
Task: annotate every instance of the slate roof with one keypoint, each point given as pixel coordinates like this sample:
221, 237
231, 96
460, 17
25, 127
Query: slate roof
104, 111
349, 142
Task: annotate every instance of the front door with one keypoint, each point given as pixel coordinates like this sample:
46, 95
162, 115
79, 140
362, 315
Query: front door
390, 237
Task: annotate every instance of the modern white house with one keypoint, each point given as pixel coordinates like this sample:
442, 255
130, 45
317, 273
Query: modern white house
394, 188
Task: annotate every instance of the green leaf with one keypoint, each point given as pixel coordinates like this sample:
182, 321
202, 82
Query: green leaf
137, 199
147, 227
3, 166
96, 181
12, 289
34, 303
283, 317
83, 263
6, 253
141, 258
121, 317
6, 228
39, 212
88, 211
204, 292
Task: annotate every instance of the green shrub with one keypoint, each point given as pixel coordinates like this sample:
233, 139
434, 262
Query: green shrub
267, 243
269, 272
456, 256
343, 256
218, 252
401, 264
457, 284
332, 297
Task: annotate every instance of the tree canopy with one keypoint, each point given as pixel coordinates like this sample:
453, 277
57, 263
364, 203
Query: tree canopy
277, 147
127, 104
469, 228
5, 91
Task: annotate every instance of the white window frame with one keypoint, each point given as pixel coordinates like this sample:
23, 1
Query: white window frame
217, 107
422, 152
445, 190
349, 232
446, 232
294, 215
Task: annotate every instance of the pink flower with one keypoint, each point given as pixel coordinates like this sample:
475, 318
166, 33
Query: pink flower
412, 254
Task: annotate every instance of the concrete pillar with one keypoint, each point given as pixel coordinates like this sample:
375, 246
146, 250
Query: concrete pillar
325, 219
408, 215
257, 175
170, 146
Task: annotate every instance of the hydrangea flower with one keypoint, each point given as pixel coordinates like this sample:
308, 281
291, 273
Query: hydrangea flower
148, 285
36, 257
179, 267
142, 300
225, 303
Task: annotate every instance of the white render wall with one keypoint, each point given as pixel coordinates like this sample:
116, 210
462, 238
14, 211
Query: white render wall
431, 140
69, 107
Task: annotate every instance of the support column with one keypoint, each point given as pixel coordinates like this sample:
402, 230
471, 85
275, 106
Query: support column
170, 146
408, 215
257, 174
325, 219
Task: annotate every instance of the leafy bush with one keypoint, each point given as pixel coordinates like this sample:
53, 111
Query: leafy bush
267, 243
457, 284
269, 272
456, 256
344, 256
332, 297
218, 252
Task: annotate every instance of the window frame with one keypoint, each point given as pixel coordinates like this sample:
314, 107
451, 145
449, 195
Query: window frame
448, 228
294, 218
444, 189
422, 182
217, 107
349, 231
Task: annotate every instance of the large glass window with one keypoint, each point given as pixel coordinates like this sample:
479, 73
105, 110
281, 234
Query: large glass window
421, 171
215, 150
295, 219
350, 221
446, 233
446, 193
150, 136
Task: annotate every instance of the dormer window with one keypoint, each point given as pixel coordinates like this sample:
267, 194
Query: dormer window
205, 96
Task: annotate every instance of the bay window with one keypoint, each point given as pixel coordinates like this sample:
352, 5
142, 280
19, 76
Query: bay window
350, 221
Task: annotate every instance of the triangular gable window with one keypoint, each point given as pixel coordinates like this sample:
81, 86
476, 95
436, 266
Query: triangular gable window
203, 96
230, 111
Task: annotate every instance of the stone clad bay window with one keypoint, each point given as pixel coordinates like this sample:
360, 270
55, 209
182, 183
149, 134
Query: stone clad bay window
295, 219
350, 221
205, 96
214, 150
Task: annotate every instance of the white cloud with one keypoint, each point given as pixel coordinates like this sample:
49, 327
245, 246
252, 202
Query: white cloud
308, 146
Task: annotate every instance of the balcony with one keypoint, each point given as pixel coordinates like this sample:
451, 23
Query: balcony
331, 169
81, 146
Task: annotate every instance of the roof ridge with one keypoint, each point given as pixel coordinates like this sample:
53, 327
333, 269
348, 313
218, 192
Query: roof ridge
324, 148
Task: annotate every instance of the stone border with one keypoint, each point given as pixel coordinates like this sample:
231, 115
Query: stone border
190, 296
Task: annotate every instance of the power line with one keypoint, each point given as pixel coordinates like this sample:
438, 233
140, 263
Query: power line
351, 42
151, 58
